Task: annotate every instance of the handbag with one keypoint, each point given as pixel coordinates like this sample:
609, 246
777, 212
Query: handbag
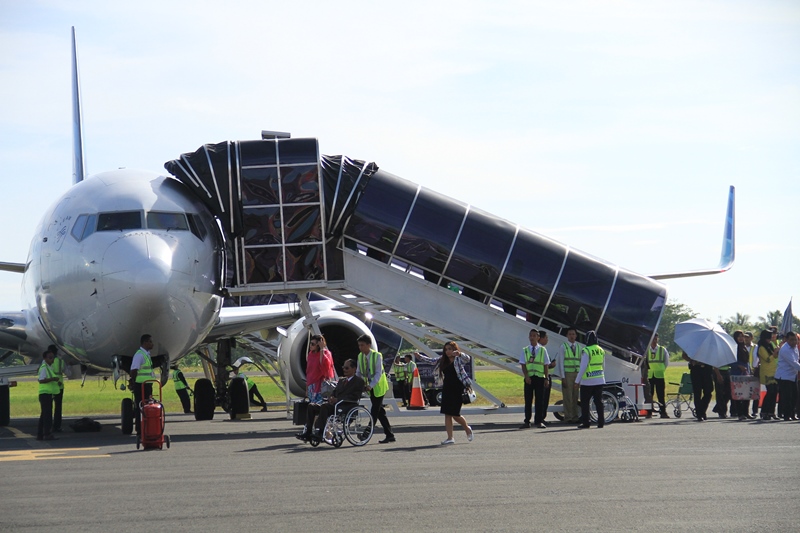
468, 396
327, 387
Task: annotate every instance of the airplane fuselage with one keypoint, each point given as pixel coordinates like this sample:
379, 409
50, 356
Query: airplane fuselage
121, 254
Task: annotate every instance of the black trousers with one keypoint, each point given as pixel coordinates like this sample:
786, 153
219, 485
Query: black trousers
723, 392
595, 393
57, 399
702, 387
540, 399
183, 394
770, 399
137, 399
253, 394
787, 391
658, 387
379, 413
46, 417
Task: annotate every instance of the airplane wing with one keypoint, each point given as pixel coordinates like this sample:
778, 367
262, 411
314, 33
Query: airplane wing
728, 246
13, 336
235, 321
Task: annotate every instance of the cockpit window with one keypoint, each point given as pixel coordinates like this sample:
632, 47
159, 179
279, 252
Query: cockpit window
167, 221
119, 221
84, 226
197, 227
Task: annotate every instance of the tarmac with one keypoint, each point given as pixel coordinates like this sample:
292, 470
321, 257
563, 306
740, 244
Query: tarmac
653, 475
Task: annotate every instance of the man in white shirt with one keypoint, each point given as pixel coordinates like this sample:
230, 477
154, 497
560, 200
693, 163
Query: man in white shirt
535, 369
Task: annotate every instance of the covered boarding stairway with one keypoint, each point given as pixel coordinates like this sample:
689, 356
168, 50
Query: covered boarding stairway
421, 263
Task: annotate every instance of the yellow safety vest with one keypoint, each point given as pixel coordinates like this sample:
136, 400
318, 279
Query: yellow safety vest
146, 370
572, 358
534, 363
51, 387
373, 366
247, 379
410, 367
656, 362
58, 368
179, 385
595, 367
400, 372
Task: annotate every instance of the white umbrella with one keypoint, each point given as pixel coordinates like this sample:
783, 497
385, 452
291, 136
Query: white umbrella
705, 342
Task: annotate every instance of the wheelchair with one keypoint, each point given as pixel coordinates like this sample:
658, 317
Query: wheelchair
350, 421
683, 399
616, 403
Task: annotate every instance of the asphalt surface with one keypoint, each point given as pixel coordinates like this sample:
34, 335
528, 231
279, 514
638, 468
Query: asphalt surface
655, 475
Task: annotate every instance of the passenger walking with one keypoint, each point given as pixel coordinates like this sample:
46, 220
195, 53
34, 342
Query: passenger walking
568, 361
786, 375
319, 368
767, 365
456, 381
702, 386
535, 370
48, 388
370, 367
657, 363
591, 378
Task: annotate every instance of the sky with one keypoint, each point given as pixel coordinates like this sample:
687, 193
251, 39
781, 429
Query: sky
614, 127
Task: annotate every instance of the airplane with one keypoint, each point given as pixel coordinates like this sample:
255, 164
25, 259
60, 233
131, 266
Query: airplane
128, 252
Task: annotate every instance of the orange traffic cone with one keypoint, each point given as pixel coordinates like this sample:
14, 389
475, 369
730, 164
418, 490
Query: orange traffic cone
417, 402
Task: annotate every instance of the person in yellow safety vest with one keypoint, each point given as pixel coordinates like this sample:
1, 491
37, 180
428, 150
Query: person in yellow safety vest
400, 377
410, 367
568, 361
657, 363
548, 388
182, 389
591, 379
370, 368
535, 365
252, 388
48, 388
141, 372
58, 366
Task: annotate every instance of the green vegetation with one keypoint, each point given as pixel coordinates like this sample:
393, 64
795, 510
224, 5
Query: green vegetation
99, 397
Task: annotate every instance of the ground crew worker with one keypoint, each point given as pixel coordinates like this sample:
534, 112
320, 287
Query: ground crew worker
370, 368
534, 363
568, 361
252, 388
400, 377
48, 388
410, 367
591, 379
657, 363
142, 371
58, 367
548, 385
182, 388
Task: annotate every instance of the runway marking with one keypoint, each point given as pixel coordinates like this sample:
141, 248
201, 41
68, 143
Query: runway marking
42, 455
18, 434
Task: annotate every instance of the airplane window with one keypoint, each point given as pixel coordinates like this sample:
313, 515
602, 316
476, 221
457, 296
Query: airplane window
381, 211
481, 251
167, 221
119, 221
91, 226
197, 227
77, 229
431, 231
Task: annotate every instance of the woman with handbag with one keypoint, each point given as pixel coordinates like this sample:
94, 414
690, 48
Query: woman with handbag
456, 385
319, 368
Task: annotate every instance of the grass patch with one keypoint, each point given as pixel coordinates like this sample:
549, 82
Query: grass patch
98, 396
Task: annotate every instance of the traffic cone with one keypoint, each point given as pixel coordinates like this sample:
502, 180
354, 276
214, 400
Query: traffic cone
417, 402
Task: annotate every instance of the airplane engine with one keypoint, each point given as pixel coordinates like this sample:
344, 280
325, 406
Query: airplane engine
341, 333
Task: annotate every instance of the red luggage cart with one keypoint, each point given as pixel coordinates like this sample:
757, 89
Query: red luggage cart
153, 421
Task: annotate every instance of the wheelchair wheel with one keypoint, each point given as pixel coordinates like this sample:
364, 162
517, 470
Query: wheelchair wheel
559, 414
358, 426
610, 408
314, 441
677, 412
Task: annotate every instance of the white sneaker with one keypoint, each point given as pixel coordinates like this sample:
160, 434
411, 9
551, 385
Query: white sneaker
448, 441
471, 434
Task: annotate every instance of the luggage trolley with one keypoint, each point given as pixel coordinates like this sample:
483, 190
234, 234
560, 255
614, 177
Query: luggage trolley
153, 421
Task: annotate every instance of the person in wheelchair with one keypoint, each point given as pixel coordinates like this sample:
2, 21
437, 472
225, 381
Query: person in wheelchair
348, 389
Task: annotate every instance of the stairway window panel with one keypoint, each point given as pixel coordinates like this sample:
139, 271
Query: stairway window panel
260, 186
531, 272
300, 184
431, 231
582, 292
481, 251
381, 211
633, 312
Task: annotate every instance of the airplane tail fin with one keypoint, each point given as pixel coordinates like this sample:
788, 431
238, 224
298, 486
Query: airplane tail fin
78, 163
728, 254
